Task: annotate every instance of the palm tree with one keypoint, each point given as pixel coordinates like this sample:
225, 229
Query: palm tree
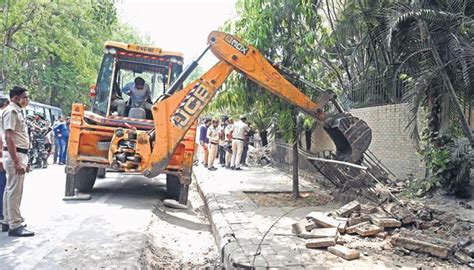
431, 42
435, 55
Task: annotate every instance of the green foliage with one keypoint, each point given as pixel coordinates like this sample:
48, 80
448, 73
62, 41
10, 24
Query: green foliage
416, 34
432, 50
448, 161
331, 43
285, 32
55, 47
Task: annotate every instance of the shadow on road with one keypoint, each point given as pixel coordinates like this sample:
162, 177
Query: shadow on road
128, 191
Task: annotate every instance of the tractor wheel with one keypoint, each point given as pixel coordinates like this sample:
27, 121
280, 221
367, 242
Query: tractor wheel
101, 173
85, 179
173, 186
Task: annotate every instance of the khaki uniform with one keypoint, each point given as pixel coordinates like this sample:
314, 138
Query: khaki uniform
228, 139
213, 136
238, 132
13, 119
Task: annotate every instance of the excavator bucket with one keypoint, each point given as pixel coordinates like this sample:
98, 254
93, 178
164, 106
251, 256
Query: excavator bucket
351, 135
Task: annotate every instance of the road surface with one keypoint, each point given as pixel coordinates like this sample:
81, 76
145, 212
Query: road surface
124, 225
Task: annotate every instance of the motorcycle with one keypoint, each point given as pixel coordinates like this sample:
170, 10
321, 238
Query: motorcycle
38, 154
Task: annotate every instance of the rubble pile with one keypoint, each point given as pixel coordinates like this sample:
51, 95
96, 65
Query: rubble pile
403, 230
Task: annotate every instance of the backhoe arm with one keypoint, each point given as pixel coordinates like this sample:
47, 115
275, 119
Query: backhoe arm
249, 61
174, 114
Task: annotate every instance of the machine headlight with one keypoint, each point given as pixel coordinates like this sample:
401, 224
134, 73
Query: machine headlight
173, 60
112, 51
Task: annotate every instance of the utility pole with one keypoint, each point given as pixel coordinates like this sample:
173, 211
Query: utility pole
3, 80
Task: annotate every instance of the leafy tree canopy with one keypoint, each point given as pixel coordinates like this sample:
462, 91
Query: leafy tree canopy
54, 48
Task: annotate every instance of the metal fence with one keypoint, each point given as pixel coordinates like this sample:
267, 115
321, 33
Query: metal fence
375, 92
386, 90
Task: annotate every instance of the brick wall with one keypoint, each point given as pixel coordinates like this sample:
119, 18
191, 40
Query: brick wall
390, 143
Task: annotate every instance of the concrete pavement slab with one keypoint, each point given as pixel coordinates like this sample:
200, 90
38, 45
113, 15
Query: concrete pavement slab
230, 210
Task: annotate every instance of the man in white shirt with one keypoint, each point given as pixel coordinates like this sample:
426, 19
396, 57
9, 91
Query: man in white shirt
213, 136
238, 132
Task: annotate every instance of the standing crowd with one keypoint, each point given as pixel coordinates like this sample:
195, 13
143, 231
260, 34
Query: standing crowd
19, 135
226, 141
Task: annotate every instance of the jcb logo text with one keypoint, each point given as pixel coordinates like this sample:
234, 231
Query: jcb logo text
236, 44
191, 105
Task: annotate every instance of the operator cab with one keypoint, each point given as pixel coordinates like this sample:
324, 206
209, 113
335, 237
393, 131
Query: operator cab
121, 65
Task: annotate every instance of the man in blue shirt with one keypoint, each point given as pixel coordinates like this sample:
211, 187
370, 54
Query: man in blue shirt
61, 131
203, 140
139, 92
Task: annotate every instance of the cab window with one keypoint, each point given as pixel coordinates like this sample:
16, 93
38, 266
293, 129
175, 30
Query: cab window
100, 103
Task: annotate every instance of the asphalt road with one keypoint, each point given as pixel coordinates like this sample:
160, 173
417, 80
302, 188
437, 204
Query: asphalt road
124, 225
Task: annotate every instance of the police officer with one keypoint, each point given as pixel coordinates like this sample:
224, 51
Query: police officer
15, 156
239, 130
213, 137
3, 176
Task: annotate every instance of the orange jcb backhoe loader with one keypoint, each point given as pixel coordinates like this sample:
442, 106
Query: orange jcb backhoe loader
167, 147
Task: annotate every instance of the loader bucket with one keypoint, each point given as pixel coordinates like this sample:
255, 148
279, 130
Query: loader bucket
351, 135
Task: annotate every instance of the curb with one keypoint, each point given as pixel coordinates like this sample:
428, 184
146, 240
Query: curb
232, 254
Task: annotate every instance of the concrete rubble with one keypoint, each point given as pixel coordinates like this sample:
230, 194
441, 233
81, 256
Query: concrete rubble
323, 230
256, 226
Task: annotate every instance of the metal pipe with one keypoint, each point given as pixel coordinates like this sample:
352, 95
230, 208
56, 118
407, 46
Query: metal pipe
177, 84
338, 162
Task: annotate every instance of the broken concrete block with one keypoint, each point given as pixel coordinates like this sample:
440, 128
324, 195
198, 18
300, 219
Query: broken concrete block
347, 209
321, 242
469, 250
344, 252
356, 220
340, 241
319, 233
463, 257
368, 209
300, 226
310, 226
405, 216
351, 229
385, 222
437, 250
324, 221
343, 219
401, 213
368, 230
381, 235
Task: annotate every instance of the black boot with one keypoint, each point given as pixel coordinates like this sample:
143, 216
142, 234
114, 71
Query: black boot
20, 232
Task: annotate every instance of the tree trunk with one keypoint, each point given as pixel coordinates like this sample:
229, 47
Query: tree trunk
296, 188
3, 79
54, 92
264, 137
308, 134
451, 93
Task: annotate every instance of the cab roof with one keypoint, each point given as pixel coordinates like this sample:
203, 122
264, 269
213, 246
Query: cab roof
141, 49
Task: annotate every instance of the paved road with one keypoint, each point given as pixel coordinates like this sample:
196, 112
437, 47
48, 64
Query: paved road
124, 225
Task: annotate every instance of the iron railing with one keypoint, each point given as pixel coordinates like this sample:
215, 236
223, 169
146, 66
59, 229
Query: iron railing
374, 92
